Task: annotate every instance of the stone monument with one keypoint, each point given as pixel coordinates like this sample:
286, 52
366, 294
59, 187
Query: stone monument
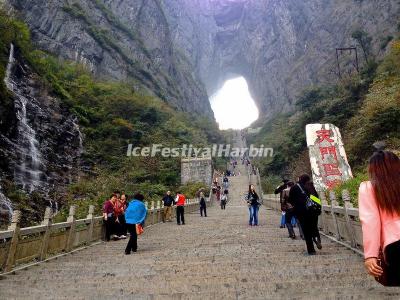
328, 158
196, 169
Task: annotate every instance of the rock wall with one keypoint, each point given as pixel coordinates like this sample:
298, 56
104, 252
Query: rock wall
41, 151
280, 47
196, 170
121, 40
183, 50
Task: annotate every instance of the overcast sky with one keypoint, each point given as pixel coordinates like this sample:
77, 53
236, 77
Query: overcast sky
233, 106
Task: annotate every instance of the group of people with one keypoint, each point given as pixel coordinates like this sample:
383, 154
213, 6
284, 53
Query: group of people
169, 202
295, 199
121, 217
114, 216
216, 189
379, 211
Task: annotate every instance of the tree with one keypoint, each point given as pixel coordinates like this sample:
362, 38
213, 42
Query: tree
364, 40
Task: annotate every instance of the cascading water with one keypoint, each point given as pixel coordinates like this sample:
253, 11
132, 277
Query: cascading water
6, 209
28, 173
80, 137
10, 64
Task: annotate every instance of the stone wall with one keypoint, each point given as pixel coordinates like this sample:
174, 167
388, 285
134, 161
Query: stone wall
196, 170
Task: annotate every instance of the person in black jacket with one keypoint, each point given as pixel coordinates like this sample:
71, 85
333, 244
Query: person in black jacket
279, 190
308, 220
168, 202
203, 206
254, 204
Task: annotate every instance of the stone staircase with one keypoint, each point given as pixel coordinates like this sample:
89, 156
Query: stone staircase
218, 257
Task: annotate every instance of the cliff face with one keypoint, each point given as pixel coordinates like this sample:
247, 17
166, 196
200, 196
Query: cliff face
280, 47
122, 40
41, 150
183, 49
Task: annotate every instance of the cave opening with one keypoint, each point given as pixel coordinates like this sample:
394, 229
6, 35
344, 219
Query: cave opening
233, 106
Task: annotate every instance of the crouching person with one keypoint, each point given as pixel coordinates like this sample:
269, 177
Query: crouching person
135, 215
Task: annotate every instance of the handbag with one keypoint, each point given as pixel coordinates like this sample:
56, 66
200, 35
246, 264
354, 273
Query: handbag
139, 229
383, 279
312, 204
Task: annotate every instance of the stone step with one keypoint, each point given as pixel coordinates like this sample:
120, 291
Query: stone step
218, 257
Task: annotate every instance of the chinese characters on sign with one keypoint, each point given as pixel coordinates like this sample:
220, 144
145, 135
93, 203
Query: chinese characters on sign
327, 156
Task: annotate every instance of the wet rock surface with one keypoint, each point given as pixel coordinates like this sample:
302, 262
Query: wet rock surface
41, 152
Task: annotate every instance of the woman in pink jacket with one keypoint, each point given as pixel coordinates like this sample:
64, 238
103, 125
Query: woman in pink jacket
379, 208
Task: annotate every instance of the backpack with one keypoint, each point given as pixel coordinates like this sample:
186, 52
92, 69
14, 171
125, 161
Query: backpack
313, 203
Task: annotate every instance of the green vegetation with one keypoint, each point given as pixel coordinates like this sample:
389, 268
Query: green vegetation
352, 186
365, 42
111, 115
379, 114
11, 31
365, 106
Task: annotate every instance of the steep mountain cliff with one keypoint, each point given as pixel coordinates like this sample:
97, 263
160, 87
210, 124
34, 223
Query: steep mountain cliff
179, 49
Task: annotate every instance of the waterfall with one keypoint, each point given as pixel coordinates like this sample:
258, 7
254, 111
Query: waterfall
6, 209
28, 172
10, 64
80, 136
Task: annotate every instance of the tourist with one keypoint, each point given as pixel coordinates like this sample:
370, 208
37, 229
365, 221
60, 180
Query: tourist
119, 210
168, 201
203, 206
290, 220
279, 190
214, 186
310, 188
379, 209
298, 196
218, 192
254, 204
226, 182
224, 199
121, 218
180, 208
108, 217
135, 215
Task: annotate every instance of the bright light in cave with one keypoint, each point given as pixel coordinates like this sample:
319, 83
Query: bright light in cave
233, 106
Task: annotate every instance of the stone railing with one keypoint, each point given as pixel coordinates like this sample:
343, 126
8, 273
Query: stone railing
340, 223
19, 246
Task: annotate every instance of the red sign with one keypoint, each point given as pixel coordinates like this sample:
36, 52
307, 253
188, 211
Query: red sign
330, 169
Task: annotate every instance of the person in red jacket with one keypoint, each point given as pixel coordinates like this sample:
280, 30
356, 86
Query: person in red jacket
180, 208
109, 217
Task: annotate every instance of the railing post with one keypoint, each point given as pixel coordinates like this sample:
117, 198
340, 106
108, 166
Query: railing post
350, 229
90, 217
259, 183
152, 209
47, 221
332, 197
324, 222
71, 230
158, 209
11, 255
